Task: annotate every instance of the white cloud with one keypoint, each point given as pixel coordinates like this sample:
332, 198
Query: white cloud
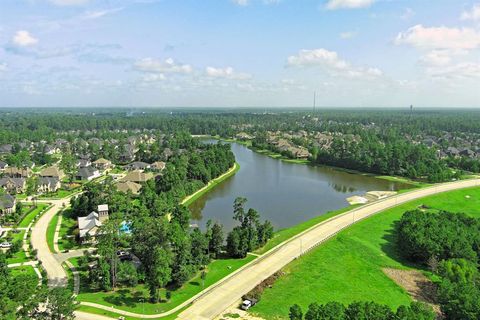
456, 71
440, 38
332, 63
3, 67
69, 2
473, 14
166, 66
240, 2
23, 38
348, 34
317, 57
226, 73
154, 77
348, 4
437, 58
99, 13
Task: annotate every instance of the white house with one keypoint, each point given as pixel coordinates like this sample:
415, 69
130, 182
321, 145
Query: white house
89, 225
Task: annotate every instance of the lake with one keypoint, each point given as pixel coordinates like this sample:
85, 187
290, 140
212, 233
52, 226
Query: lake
284, 193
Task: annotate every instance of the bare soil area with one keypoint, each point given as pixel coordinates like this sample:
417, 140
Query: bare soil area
419, 287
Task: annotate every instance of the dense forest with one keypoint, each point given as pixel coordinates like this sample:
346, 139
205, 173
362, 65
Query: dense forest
393, 142
449, 244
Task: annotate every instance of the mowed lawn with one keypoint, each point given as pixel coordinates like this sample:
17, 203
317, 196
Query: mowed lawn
349, 266
136, 299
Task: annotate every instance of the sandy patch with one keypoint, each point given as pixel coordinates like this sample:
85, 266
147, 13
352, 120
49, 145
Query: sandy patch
419, 287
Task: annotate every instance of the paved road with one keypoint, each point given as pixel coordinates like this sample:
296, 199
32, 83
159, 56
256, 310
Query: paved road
88, 316
216, 300
57, 277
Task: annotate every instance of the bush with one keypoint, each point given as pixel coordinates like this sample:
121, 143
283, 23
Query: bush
443, 235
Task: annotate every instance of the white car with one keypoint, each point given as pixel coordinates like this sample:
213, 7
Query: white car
5, 245
246, 304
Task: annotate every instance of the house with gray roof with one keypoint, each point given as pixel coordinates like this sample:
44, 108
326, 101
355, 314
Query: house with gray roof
13, 185
7, 204
48, 184
87, 173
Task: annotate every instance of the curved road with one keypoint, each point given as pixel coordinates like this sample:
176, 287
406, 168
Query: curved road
214, 300
57, 277
220, 297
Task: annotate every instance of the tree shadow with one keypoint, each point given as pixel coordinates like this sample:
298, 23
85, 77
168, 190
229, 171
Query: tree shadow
390, 248
122, 298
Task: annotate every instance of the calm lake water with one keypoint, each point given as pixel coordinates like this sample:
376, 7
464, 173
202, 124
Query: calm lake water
284, 193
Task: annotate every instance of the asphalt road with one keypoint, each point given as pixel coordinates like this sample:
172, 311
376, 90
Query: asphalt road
219, 298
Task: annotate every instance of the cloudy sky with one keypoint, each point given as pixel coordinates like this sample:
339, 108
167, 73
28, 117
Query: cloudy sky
229, 53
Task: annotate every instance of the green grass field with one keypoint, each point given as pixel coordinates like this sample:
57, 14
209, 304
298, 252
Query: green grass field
60, 194
23, 270
117, 315
31, 215
349, 266
130, 298
66, 239
51, 232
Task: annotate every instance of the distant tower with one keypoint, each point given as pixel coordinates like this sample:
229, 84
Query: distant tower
314, 100
103, 212
411, 108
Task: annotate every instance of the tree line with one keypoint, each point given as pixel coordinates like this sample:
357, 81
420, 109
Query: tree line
449, 243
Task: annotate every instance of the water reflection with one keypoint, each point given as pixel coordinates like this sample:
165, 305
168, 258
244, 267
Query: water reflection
284, 193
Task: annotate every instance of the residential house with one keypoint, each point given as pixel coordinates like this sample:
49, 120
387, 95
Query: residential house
13, 185
49, 149
89, 225
128, 153
82, 163
7, 204
452, 151
126, 186
467, 153
6, 149
102, 164
158, 166
87, 173
137, 165
3, 165
138, 176
15, 172
48, 184
53, 172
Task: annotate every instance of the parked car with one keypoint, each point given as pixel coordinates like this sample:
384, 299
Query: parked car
5, 245
248, 303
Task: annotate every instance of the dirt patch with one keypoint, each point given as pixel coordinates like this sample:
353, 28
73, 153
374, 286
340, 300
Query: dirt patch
419, 287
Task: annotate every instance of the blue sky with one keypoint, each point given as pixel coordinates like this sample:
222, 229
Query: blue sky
235, 53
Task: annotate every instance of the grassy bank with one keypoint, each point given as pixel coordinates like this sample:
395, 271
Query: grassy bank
66, 236
285, 234
212, 184
32, 214
51, 231
349, 266
130, 299
117, 315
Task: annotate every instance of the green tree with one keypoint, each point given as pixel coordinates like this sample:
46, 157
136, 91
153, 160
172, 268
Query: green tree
295, 312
